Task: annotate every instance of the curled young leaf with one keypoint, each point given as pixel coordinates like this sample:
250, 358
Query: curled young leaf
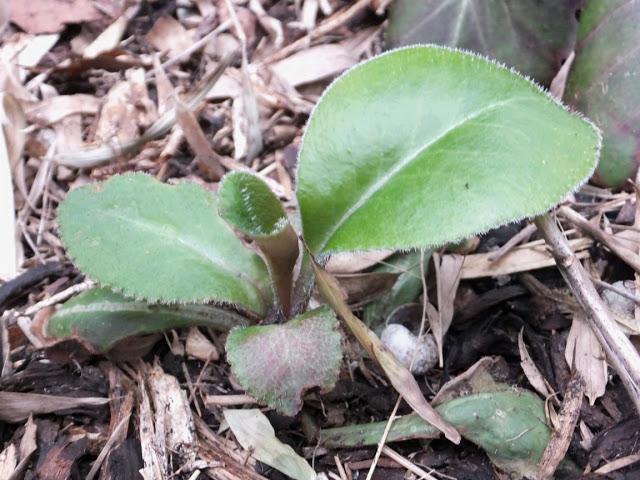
161, 243
100, 318
247, 203
278, 363
427, 145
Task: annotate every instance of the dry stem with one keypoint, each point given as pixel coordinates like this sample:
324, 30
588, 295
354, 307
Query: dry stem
621, 353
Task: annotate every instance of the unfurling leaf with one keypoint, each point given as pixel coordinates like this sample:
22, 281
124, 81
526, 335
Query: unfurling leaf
247, 203
278, 363
427, 145
161, 243
100, 318
603, 83
533, 36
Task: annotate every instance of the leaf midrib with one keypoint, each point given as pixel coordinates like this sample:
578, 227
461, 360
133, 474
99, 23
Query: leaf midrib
404, 162
153, 227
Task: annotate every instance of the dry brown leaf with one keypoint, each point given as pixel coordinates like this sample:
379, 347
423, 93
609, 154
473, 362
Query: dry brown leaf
352, 262
164, 87
247, 133
585, 354
11, 143
117, 121
51, 16
8, 461
169, 36
314, 64
108, 40
448, 268
530, 370
362, 288
273, 26
28, 446
200, 347
16, 407
208, 160
523, 258
56, 108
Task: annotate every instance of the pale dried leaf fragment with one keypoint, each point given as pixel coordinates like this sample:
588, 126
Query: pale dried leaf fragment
28, 446
169, 36
530, 369
314, 64
12, 140
51, 16
256, 435
8, 461
247, 133
352, 262
585, 354
448, 269
200, 347
56, 108
16, 407
523, 258
108, 40
5, 13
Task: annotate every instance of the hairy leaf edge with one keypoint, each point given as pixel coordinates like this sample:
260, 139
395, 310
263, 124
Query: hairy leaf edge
502, 66
243, 309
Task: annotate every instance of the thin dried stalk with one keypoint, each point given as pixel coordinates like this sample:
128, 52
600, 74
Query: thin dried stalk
620, 351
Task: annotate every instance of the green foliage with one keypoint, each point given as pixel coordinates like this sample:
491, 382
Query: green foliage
427, 145
534, 36
247, 203
509, 424
603, 83
100, 318
161, 243
278, 363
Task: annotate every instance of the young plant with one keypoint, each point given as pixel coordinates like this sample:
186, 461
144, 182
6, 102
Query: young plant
415, 148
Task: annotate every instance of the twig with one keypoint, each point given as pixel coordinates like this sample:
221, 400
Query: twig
522, 236
229, 400
620, 351
620, 291
613, 244
413, 468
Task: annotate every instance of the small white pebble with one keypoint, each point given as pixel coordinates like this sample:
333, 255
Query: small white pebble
403, 343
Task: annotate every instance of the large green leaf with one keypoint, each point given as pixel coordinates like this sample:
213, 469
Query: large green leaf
278, 363
100, 318
427, 145
509, 424
603, 83
534, 36
161, 243
247, 203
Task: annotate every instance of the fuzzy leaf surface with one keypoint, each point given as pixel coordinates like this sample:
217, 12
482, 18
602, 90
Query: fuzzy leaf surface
278, 363
100, 318
161, 243
533, 36
509, 424
603, 83
427, 145
247, 203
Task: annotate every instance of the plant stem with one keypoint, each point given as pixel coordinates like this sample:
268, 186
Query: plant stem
620, 351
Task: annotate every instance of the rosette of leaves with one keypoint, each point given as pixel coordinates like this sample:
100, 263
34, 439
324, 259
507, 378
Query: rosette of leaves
414, 148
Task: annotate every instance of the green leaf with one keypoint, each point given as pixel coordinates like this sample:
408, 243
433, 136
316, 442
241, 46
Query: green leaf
247, 203
534, 36
427, 145
278, 363
603, 83
161, 243
100, 318
509, 424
